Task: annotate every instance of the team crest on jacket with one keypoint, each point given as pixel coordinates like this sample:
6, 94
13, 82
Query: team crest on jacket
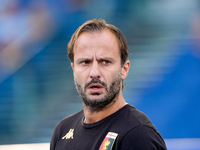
108, 142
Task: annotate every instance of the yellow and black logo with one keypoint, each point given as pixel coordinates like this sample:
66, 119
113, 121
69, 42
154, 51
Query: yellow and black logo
69, 135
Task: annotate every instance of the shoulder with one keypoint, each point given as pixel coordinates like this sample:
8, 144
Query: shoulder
140, 131
136, 116
70, 119
143, 137
64, 126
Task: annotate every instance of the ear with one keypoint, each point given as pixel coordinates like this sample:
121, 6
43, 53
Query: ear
125, 69
72, 65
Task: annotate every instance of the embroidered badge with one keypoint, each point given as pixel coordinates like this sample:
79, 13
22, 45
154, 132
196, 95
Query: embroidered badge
108, 142
69, 135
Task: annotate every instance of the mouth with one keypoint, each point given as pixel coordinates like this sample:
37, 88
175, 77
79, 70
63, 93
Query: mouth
95, 88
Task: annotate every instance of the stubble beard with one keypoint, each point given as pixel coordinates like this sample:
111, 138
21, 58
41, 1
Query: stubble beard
111, 95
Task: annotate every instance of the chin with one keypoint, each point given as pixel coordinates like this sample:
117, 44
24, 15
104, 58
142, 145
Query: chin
95, 97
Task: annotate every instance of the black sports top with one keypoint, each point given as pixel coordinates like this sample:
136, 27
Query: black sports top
126, 129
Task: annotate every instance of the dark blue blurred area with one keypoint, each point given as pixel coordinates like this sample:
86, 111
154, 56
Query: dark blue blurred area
173, 105
36, 80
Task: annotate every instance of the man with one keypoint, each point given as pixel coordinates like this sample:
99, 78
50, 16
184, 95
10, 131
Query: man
99, 58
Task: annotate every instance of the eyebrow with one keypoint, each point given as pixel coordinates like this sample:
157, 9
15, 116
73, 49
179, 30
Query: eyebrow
84, 59
104, 58
91, 59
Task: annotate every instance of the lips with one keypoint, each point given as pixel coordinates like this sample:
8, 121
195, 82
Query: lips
95, 88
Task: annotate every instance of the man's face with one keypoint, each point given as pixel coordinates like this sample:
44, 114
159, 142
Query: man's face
97, 68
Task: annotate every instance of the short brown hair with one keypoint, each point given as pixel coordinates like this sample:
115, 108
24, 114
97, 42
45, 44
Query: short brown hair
99, 25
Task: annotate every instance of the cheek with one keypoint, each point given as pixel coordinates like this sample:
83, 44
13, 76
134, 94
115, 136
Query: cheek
77, 79
113, 76
80, 79
82, 72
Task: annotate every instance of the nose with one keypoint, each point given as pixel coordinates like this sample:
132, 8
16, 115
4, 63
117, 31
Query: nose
95, 72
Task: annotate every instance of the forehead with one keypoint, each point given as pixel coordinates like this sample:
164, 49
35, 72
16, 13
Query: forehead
100, 42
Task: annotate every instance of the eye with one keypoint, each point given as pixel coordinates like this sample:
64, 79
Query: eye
105, 62
85, 62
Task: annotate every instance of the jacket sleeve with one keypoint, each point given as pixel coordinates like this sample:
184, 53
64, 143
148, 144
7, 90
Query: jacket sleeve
54, 138
143, 137
53, 142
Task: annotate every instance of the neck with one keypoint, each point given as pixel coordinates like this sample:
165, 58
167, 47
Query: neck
95, 116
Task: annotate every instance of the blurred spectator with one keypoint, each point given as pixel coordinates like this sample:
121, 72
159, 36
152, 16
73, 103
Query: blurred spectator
68, 14
41, 25
12, 25
20, 28
195, 29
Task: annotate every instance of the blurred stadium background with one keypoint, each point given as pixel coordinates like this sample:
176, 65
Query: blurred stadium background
36, 81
